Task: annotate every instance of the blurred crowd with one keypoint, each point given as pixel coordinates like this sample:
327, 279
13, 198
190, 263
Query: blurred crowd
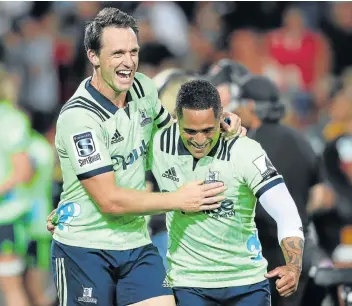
304, 47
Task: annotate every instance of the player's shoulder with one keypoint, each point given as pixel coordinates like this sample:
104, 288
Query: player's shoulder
166, 140
144, 86
243, 146
83, 106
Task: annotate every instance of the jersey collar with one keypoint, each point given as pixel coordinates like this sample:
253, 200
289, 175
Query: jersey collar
182, 150
102, 100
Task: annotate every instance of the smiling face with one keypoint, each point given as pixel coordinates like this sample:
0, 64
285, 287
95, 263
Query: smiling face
199, 130
117, 60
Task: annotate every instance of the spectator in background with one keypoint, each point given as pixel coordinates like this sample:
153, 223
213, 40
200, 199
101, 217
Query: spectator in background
260, 109
155, 57
337, 26
296, 57
163, 22
39, 84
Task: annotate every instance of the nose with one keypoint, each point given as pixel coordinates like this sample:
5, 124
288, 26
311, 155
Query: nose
200, 139
128, 61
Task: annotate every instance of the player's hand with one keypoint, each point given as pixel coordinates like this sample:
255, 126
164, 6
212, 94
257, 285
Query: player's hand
49, 222
288, 279
231, 126
197, 196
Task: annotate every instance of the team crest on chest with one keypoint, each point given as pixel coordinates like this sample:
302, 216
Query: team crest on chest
144, 117
212, 176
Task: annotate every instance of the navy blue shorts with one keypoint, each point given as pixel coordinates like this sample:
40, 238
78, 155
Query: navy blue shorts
249, 295
86, 276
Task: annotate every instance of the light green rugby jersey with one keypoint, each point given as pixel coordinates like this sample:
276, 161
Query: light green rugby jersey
93, 137
218, 248
14, 138
40, 190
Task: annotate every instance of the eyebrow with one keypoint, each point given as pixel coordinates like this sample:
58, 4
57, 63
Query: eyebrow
124, 51
202, 130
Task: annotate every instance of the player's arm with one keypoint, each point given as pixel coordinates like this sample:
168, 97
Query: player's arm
17, 144
22, 172
86, 148
271, 191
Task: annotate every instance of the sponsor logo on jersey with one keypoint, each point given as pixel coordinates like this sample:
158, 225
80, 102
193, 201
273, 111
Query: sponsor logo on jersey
226, 210
85, 147
171, 174
89, 160
116, 137
84, 143
67, 212
131, 157
254, 246
265, 167
87, 296
144, 117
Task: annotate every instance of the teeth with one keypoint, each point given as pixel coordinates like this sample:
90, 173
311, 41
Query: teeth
125, 72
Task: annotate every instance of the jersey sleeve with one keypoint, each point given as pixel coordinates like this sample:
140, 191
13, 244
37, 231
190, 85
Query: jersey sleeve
256, 169
161, 116
83, 141
18, 134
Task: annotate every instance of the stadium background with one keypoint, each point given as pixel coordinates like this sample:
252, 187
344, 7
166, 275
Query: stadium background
305, 47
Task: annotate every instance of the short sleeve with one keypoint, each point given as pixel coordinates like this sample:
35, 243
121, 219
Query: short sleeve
83, 141
256, 169
160, 114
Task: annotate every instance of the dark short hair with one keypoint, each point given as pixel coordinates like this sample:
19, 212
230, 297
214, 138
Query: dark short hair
107, 17
198, 95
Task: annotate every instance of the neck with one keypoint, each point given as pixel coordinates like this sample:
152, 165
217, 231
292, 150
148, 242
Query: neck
117, 98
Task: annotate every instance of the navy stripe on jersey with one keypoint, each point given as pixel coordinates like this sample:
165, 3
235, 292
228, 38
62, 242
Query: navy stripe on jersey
165, 122
173, 139
95, 172
162, 110
162, 140
268, 186
136, 91
92, 104
221, 148
96, 106
168, 138
140, 87
87, 104
230, 147
224, 152
85, 107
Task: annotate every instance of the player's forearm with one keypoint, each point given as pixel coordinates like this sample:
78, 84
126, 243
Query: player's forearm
22, 173
129, 201
292, 248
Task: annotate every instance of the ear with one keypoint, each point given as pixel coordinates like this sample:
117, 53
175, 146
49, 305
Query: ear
93, 58
221, 112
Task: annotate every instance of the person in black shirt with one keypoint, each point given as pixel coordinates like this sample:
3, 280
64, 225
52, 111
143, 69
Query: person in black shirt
260, 110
